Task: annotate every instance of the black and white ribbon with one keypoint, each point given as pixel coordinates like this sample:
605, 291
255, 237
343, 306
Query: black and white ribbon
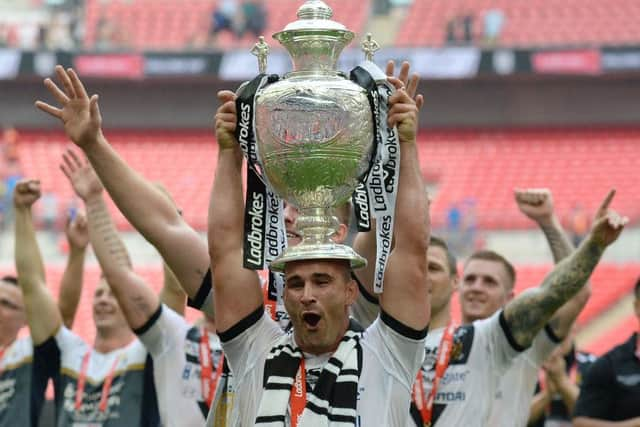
264, 233
381, 183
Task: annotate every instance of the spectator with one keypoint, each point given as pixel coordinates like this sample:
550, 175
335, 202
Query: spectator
578, 223
610, 392
493, 23
225, 18
467, 27
49, 212
254, 18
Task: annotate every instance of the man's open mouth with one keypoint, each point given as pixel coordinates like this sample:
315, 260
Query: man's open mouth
311, 319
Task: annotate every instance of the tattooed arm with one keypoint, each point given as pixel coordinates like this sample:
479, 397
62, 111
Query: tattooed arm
527, 314
537, 204
136, 299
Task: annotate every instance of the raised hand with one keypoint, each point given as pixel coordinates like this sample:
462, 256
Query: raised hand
81, 175
606, 230
226, 120
79, 114
26, 193
409, 83
77, 231
536, 203
403, 113
604, 206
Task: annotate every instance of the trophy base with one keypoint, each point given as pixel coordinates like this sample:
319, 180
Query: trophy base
322, 251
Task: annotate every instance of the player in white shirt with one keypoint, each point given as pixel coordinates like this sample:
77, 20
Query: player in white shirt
188, 361
105, 384
317, 295
484, 348
517, 387
23, 375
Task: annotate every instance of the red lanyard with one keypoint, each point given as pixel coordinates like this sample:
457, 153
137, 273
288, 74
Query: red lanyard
207, 380
106, 386
298, 398
425, 404
269, 304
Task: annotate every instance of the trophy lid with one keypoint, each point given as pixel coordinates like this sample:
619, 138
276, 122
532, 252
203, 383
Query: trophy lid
314, 41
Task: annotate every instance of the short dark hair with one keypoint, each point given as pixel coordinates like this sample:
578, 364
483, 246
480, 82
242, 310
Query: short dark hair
636, 289
10, 279
489, 255
451, 259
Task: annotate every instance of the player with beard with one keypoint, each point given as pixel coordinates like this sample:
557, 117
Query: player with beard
109, 383
326, 370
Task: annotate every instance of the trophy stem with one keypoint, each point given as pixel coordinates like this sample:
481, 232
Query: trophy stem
317, 225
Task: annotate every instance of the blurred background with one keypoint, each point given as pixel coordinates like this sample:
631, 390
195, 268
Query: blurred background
542, 93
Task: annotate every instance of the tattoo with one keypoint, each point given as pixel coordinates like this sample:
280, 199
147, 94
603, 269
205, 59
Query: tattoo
106, 236
528, 313
558, 242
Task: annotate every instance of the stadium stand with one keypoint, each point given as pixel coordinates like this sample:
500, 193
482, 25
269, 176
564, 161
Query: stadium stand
532, 23
169, 25
481, 165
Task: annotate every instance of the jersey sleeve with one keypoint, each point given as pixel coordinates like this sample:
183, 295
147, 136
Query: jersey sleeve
67, 341
542, 346
249, 339
399, 347
164, 331
494, 336
595, 399
203, 300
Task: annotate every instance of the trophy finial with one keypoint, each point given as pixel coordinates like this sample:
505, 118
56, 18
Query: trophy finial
261, 51
315, 9
369, 47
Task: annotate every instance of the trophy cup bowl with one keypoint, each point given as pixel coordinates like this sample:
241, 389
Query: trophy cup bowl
314, 130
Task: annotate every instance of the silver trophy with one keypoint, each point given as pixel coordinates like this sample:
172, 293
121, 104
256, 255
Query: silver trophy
314, 131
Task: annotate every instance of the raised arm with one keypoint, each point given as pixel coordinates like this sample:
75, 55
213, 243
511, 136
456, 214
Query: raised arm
527, 314
537, 204
42, 313
406, 295
71, 283
237, 289
365, 242
180, 246
137, 300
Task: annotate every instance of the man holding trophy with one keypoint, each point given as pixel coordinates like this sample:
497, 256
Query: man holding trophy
315, 142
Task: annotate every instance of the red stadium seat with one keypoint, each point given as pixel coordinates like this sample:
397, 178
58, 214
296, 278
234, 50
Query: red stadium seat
540, 22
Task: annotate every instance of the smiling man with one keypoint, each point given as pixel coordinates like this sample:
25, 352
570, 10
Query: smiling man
327, 370
108, 384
